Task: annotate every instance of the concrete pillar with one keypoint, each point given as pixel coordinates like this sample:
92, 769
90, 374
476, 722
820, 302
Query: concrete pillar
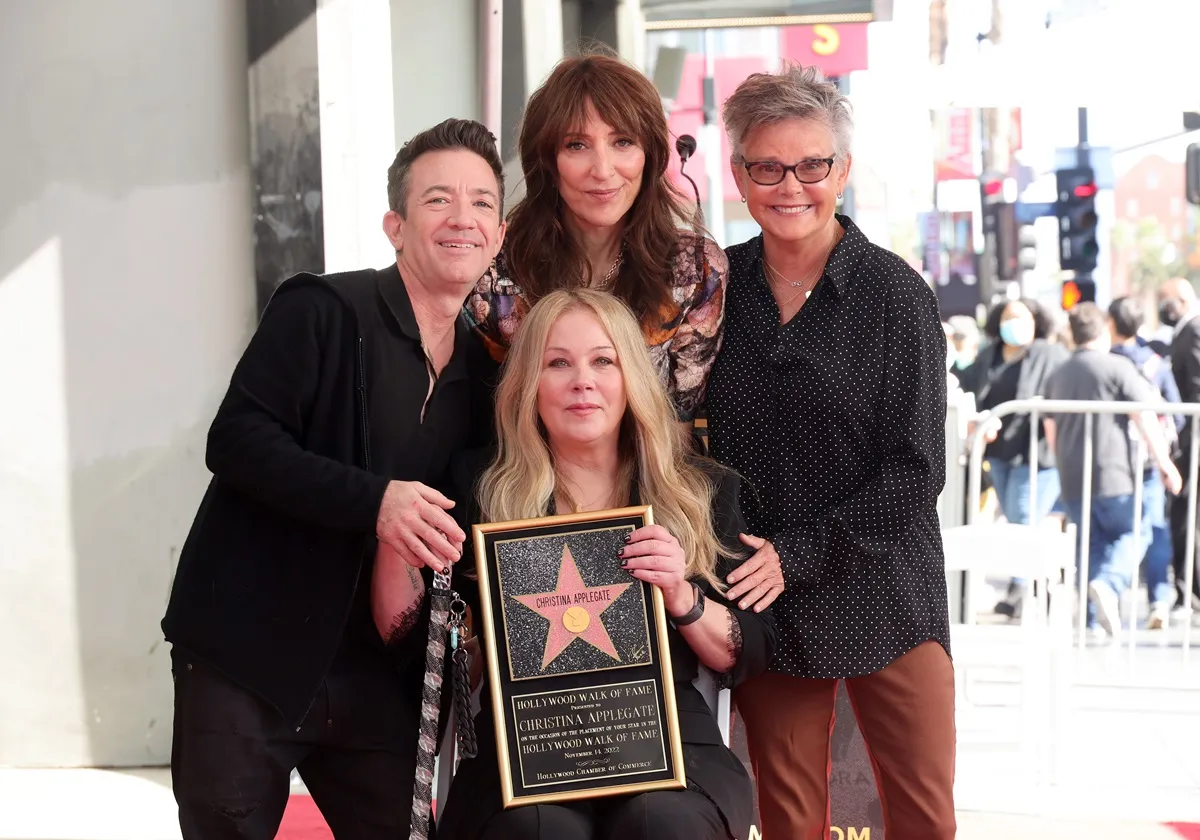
435, 64
126, 295
358, 128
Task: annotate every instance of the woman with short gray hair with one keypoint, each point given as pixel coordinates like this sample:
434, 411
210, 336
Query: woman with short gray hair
829, 397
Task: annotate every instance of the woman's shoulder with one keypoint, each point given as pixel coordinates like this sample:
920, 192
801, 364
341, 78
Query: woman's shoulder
697, 258
744, 254
497, 281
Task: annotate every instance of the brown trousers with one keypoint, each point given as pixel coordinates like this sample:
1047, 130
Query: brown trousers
906, 715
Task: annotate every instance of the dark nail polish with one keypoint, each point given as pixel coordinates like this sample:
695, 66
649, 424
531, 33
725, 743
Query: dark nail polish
629, 536
620, 552
624, 563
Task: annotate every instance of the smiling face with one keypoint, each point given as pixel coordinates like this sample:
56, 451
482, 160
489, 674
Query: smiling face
451, 230
791, 211
581, 389
599, 173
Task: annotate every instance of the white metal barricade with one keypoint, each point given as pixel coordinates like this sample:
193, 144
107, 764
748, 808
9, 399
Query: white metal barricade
1040, 408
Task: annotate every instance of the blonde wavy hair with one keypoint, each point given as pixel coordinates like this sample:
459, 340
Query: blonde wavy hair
654, 451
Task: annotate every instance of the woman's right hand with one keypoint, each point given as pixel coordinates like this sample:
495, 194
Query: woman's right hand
760, 579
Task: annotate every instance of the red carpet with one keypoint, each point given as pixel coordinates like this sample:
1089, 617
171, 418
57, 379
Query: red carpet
302, 821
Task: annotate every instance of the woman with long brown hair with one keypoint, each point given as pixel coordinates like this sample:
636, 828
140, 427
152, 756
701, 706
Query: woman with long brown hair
600, 212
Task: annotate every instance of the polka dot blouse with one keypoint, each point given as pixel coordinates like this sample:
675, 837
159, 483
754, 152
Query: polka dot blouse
837, 421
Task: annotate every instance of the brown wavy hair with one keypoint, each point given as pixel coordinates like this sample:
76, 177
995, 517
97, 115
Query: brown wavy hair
540, 252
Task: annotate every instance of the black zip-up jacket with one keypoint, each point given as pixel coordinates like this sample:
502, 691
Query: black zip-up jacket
268, 574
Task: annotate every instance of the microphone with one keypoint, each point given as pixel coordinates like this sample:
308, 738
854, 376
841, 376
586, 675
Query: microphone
685, 145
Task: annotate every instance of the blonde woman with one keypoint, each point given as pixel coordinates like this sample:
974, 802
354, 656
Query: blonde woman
585, 424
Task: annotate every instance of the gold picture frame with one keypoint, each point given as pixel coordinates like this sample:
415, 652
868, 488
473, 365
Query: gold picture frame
567, 631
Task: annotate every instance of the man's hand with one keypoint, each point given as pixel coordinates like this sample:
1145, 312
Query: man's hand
761, 577
414, 523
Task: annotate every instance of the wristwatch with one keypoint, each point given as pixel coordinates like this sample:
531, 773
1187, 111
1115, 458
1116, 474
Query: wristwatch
692, 615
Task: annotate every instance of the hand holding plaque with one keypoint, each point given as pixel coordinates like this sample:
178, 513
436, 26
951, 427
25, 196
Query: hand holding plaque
579, 664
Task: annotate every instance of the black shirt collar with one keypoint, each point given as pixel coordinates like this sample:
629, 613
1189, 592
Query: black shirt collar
843, 259
396, 301
395, 297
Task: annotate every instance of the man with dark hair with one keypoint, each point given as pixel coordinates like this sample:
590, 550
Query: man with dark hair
1093, 373
1126, 317
299, 596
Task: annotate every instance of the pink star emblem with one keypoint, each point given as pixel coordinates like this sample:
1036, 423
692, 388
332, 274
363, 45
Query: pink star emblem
573, 610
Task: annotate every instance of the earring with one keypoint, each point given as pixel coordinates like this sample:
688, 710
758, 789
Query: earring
743, 199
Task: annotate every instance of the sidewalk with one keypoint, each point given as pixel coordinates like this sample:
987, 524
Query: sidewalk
138, 805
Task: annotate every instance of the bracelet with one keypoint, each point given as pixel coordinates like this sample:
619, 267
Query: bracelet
692, 615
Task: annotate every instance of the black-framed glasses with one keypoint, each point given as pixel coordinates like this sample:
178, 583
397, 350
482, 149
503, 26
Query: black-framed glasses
768, 173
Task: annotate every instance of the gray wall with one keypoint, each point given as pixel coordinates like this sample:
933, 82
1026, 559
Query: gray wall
126, 294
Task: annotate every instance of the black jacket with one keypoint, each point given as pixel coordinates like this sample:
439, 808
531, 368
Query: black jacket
269, 571
1185, 367
709, 765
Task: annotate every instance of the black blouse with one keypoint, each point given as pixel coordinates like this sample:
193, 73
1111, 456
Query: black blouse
837, 419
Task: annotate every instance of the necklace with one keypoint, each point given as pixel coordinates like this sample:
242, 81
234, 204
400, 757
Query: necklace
607, 282
797, 284
813, 279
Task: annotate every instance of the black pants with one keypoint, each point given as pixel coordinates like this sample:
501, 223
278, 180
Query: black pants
658, 815
1179, 559
233, 754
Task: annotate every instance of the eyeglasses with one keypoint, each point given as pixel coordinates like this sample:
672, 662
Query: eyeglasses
768, 173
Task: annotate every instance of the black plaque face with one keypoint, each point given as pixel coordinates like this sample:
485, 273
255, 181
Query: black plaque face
578, 661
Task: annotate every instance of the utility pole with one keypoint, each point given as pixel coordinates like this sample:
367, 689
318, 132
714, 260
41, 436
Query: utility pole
996, 157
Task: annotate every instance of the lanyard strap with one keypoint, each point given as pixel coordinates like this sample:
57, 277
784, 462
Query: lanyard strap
446, 619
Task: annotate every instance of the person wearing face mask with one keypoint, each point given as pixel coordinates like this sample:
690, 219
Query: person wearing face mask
1017, 368
1177, 309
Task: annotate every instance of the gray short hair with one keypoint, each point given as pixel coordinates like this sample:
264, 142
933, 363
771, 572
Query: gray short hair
794, 92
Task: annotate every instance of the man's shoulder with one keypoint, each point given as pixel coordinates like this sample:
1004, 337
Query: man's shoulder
1188, 337
325, 288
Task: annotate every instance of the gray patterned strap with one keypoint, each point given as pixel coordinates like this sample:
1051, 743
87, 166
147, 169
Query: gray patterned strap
431, 695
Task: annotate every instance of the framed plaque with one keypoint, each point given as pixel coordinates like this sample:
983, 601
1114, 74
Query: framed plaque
578, 660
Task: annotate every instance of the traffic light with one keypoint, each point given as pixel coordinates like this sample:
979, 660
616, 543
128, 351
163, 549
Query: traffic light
1075, 292
1077, 245
1027, 251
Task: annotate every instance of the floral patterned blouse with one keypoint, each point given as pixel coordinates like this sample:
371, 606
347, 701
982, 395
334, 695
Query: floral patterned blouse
683, 346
